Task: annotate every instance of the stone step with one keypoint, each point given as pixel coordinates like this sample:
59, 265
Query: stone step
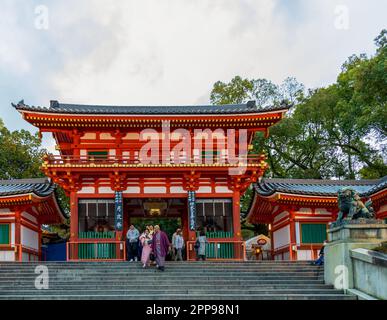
150, 271
141, 272
172, 266
181, 280
173, 278
185, 282
119, 286
172, 291
201, 296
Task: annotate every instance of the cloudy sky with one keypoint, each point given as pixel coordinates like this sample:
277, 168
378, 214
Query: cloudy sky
161, 52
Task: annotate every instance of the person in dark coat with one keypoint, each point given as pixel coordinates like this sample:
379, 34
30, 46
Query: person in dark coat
320, 260
160, 246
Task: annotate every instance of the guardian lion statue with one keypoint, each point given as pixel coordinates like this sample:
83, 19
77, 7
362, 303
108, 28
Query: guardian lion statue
352, 207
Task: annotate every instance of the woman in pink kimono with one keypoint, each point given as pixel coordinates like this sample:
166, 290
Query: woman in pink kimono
146, 240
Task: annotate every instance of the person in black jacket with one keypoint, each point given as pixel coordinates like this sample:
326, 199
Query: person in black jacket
320, 260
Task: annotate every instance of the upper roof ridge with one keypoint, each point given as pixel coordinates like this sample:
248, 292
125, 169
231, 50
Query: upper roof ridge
25, 181
68, 108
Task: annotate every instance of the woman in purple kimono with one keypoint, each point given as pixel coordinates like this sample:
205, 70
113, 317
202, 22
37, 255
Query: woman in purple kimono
160, 245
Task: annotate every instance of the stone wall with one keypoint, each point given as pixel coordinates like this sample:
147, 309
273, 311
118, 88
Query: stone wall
370, 272
338, 270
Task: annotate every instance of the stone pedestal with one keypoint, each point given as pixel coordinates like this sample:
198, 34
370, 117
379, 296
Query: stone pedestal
366, 234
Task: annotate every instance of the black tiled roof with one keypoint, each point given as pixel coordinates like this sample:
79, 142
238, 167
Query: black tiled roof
40, 187
56, 107
365, 188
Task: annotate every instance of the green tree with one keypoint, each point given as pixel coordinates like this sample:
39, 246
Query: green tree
237, 91
20, 154
334, 132
21, 157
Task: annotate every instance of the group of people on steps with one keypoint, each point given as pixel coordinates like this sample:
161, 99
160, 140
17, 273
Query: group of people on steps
152, 246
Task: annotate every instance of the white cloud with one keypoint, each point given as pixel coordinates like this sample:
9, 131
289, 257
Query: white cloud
157, 52
13, 56
171, 52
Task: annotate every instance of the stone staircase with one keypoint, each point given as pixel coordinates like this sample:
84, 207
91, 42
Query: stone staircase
266, 280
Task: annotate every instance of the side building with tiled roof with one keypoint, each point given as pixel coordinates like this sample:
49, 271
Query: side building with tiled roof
25, 205
298, 211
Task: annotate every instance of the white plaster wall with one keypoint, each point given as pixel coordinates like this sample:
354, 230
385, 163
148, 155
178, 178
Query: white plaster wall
177, 190
304, 255
221, 189
29, 238
105, 190
305, 210
132, 190
87, 190
280, 216
281, 237
106, 136
4, 210
7, 256
29, 217
89, 135
204, 190
131, 136
162, 190
6, 218
322, 211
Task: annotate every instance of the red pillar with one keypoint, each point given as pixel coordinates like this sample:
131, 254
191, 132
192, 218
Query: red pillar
76, 142
18, 254
292, 254
74, 216
236, 215
40, 257
271, 240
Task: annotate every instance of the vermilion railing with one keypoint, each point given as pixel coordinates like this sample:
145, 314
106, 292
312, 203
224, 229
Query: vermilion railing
219, 250
96, 250
62, 160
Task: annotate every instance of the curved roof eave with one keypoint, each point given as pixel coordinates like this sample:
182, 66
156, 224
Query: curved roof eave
229, 109
324, 188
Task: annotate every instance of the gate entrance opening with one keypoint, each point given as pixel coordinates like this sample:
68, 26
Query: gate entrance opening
167, 213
